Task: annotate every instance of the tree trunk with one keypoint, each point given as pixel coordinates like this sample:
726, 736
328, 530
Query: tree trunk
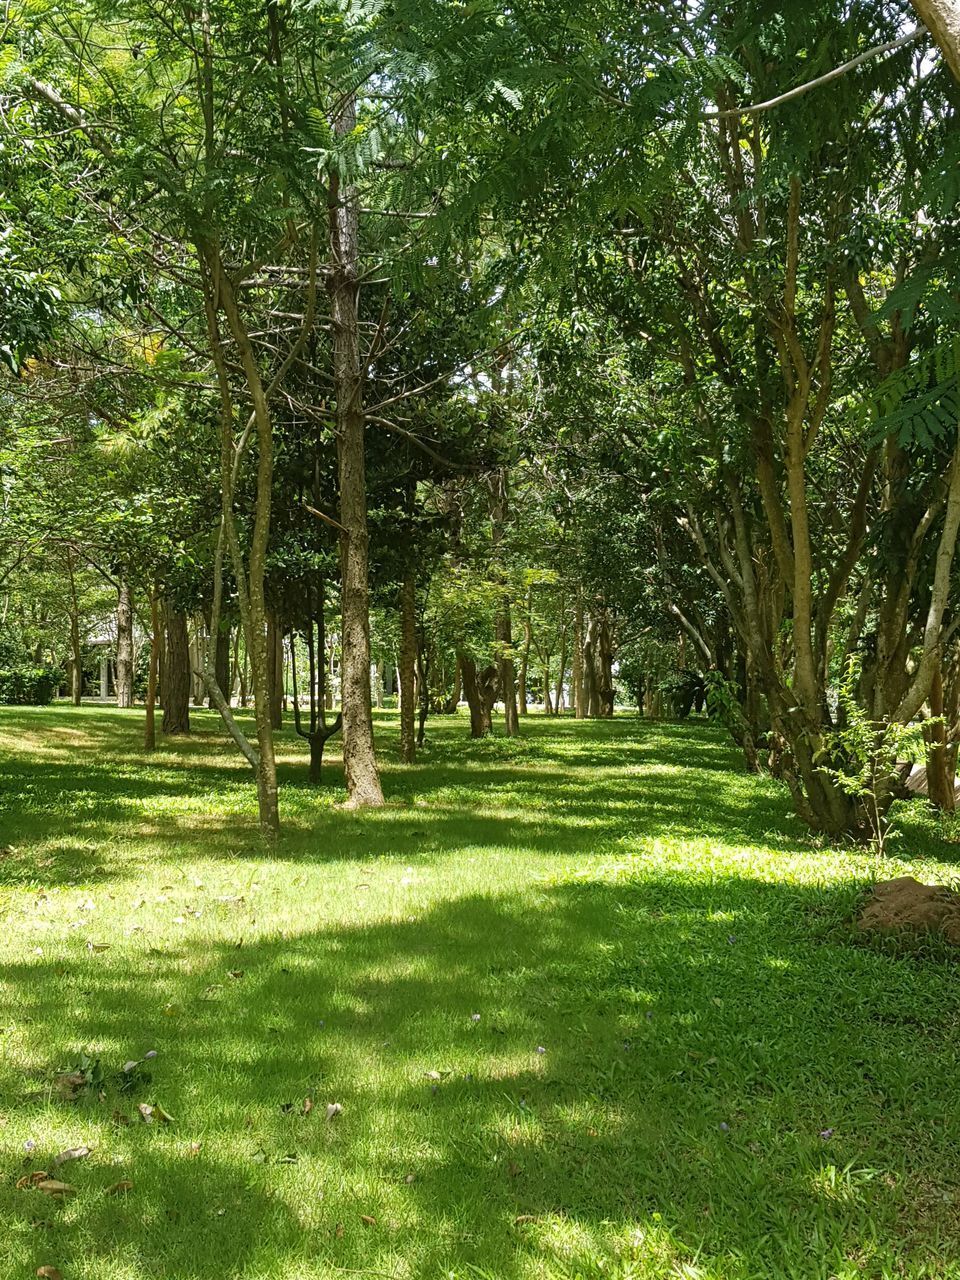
591, 691
359, 756
176, 674
479, 689
124, 681
275, 669
76, 659
525, 655
221, 662
604, 659
508, 688
579, 693
558, 702
149, 723
244, 683
547, 705
408, 667
942, 17
941, 788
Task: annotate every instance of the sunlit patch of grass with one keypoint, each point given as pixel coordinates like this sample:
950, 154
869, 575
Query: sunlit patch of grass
589, 1002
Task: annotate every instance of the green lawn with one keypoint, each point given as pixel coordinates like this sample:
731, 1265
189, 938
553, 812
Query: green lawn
589, 1003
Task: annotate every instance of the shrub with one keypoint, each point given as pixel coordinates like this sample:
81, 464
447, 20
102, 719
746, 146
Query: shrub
28, 686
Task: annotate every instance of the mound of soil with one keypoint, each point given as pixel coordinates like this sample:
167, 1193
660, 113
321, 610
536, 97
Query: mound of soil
905, 904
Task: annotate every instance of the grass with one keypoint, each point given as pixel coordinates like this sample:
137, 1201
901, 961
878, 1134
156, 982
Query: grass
589, 1001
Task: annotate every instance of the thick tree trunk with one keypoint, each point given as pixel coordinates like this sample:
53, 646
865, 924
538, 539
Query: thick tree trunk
124, 680
359, 756
479, 689
942, 17
176, 674
150, 720
408, 667
941, 786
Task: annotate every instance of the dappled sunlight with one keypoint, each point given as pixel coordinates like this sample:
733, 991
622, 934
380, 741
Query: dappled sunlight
587, 1023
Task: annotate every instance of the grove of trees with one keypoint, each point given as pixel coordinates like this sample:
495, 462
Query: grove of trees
549, 353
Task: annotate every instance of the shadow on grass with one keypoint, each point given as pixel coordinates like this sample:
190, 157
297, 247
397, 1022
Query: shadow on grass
664, 1070
565, 787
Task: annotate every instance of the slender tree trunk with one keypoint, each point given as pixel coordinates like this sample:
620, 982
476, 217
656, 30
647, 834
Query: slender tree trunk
176, 674
149, 723
503, 629
579, 693
244, 682
547, 705
221, 662
558, 702
408, 667
76, 660
124, 682
359, 756
525, 654
275, 669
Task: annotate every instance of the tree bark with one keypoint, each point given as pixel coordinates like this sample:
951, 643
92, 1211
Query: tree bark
579, 693
124, 681
525, 654
359, 756
275, 669
150, 721
221, 662
176, 674
941, 787
479, 689
150, 718
942, 17
76, 659
408, 667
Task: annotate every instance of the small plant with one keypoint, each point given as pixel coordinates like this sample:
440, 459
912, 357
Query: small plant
867, 755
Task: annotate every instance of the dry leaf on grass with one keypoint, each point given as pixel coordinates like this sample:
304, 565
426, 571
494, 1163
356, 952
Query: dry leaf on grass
119, 1188
71, 1153
333, 1109
367, 1220
51, 1187
50, 1273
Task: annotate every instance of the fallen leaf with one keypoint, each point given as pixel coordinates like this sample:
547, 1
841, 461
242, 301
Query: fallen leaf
307, 1106
51, 1187
333, 1109
119, 1188
50, 1273
411, 1177
338, 1231
71, 1153
367, 1220
194, 1149
524, 1217
98, 946
69, 1084
31, 1179
151, 1111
